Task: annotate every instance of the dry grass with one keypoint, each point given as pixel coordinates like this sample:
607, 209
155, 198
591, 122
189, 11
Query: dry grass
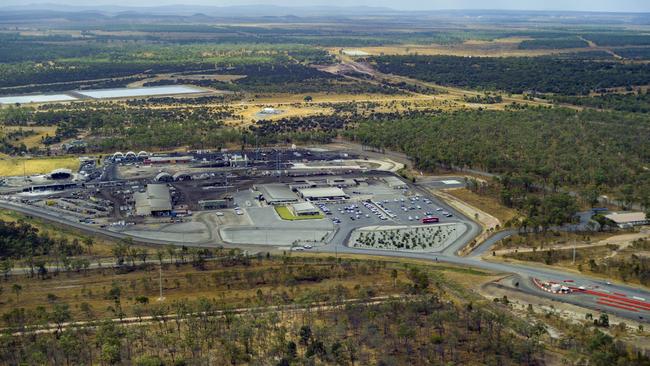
484, 203
249, 113
30, 166
504, 47
179, 283
33, 140
223, 78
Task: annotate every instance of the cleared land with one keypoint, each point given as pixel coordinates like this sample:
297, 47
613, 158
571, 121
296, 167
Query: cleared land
502, 47
29, 166
484, 203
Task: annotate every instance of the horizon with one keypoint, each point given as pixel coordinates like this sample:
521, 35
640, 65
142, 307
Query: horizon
601, 6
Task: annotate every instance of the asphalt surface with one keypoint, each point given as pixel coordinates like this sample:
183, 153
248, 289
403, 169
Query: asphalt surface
599, 295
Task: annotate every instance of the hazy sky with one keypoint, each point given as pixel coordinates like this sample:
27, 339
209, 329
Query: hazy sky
584, 5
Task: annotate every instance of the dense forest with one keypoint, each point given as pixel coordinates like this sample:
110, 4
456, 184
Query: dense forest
630, 102
552, 43
607, 151
637, 53
46, 66
121, 127
281, 78
422, 331
517, 74
310, 315
619, 39
20, 240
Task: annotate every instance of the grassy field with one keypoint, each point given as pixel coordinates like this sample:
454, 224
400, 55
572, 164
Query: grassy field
286, 214
487, 204
20, 166
503, 47
232, 285
33, 140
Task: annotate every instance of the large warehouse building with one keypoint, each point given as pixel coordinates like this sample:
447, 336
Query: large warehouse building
277, 194
155, 201
628, 219
323, 194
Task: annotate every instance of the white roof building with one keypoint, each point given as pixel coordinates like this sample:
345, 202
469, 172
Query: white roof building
628, 219
323, 194
277, 193
304, 208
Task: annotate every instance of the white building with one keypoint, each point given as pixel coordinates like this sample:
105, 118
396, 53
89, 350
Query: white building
323, 194
628, 219
304, 209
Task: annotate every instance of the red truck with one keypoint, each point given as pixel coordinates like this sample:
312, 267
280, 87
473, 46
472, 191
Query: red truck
430, 220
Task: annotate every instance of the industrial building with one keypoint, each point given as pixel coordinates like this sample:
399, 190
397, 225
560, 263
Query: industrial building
155, 201
277, 194
323, 194
395, 183
163, 177
304, 209
628, 219
318, 183
169, 160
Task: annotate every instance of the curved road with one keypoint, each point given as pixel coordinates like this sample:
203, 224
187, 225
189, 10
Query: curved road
622, 300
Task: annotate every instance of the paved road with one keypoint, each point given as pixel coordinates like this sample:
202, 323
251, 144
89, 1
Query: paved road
598, 289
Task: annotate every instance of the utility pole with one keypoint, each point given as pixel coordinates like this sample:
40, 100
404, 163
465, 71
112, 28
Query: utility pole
160, 298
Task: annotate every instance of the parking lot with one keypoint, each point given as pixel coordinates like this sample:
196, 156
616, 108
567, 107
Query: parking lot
388, 209
371, 204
